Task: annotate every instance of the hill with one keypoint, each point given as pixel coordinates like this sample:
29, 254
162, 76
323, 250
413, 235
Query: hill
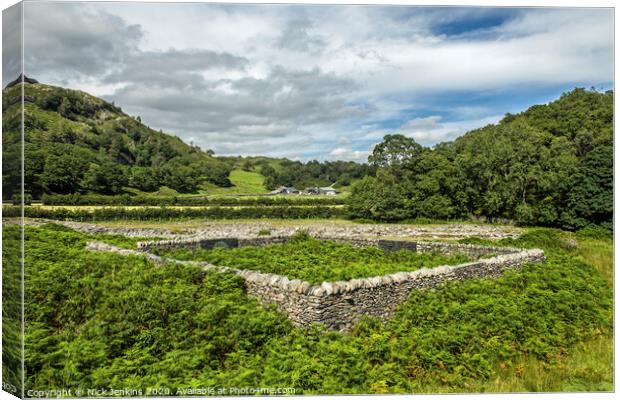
75, 142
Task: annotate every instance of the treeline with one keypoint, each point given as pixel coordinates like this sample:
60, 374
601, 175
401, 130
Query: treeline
551, 165
166, 213
314, 173
127, 200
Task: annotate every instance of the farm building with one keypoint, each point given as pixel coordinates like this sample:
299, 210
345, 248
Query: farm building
329, 191
285, 190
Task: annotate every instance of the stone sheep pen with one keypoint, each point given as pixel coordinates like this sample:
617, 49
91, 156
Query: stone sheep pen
339, 305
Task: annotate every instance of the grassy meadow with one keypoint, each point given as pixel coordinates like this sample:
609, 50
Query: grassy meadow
243, 182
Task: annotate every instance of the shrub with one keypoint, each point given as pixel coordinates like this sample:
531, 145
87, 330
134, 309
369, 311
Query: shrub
17, 199
166, 213
160, 200
595, 232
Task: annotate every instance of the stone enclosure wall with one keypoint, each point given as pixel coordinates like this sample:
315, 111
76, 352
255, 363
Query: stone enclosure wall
339, 305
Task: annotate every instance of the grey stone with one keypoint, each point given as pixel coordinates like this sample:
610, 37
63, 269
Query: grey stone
327, 287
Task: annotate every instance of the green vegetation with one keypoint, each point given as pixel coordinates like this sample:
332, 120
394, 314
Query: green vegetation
75, 142
242, 182
11, 309
318, 261
550, 165
140, 200
101, 320
170, 213
105, 320
91, 322
313, 173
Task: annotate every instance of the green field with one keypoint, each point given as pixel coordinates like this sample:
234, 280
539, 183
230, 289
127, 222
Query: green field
318, 261
244, 182
95, 319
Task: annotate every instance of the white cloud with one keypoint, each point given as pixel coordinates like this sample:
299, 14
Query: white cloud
431, 130
347, 154
424, 123
249, 78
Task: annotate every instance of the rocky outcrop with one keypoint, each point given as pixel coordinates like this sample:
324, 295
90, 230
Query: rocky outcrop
19, 80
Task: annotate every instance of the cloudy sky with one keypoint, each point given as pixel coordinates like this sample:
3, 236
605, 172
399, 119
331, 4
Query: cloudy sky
315, 82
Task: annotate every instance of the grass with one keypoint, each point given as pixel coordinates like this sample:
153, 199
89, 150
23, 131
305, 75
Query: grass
342, 195
587, 366
198, 223
163, 191
244, 182
599, 254
318, 261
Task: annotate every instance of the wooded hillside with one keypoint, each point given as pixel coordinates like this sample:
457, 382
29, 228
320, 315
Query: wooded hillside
550, 165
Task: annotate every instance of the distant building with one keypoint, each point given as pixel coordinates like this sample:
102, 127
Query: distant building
329, 191
285, 190
311, 190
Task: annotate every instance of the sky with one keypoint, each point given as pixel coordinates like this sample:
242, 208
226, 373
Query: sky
311, 81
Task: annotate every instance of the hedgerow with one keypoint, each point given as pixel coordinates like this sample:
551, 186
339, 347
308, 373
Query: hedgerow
165, 213
127, 200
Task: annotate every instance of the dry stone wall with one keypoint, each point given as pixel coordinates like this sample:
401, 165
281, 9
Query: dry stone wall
339, 305
209, 243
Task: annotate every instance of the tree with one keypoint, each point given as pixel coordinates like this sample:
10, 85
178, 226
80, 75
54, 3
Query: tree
182, 178
395, 151
63, 173
270, 175
145, 179
434, 189
550, 165
106, 178
380, 198
247, 166
590, 200
11, 163
218, 173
